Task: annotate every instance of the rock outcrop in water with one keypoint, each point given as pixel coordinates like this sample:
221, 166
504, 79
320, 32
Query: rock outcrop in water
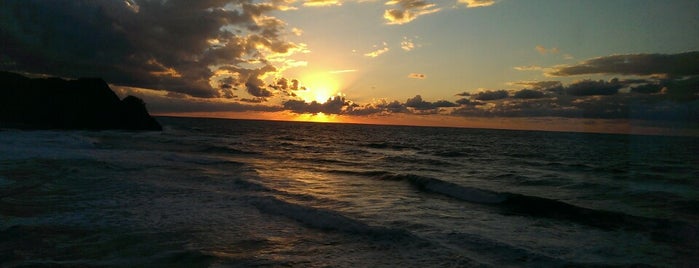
54, 103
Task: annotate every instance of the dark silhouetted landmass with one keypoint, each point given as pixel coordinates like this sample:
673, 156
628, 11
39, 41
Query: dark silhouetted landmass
54, 103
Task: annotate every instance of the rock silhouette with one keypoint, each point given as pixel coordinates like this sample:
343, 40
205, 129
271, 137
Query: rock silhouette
54, 103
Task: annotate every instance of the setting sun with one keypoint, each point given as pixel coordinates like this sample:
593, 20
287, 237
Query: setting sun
319, 88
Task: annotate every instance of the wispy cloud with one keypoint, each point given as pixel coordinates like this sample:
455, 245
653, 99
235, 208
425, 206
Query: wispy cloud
543, 50
528, 68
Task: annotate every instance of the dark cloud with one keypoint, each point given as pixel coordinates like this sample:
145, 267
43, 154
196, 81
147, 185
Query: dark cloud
340, 105
418, 104
183, 104
253, 100
528, 94
394, 107
592, 88
681, 90
490, 95
468, 102
444, 103
682, 64
167, 45
669, 100
647, 88
334, 105
620, 106
463, 94
541, 85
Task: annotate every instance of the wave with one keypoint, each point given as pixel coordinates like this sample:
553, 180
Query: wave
469, 194
389, 145
313, 217
323, 219
226, 150
419, 161
534, 206
361, 173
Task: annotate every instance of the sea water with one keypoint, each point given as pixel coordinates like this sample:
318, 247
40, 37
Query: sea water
220, 193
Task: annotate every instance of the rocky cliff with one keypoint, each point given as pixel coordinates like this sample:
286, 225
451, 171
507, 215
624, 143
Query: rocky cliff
53, 103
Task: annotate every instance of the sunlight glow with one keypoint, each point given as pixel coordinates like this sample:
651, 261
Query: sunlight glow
319, 87
319, 118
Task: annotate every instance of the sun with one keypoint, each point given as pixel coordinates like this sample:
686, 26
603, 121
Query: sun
319, 88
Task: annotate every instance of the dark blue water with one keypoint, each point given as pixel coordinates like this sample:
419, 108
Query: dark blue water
219, 193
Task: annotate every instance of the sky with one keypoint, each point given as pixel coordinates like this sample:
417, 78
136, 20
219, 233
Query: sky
598, 66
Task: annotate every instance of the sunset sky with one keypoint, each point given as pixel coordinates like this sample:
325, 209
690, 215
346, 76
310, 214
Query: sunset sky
602, 66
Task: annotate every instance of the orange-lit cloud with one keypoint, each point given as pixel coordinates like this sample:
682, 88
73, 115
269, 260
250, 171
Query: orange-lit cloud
376, 53
407, 44
407, 11
322, 3
297, 31
417, 76
477, 3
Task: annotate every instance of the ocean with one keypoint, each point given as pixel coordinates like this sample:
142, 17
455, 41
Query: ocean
241, 193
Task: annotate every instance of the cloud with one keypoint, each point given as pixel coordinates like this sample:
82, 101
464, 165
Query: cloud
490, 95
674, 101
618, 106
593, 88
407, 44
417, 76
297, 31
341, 105
543, 51
376, 53
682, 64
528, 68
159, 102
179, 46
407, 11
541, 85
322, 3
418, 104
334, 105
477, 3
468, 102
528, 94
647, 88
